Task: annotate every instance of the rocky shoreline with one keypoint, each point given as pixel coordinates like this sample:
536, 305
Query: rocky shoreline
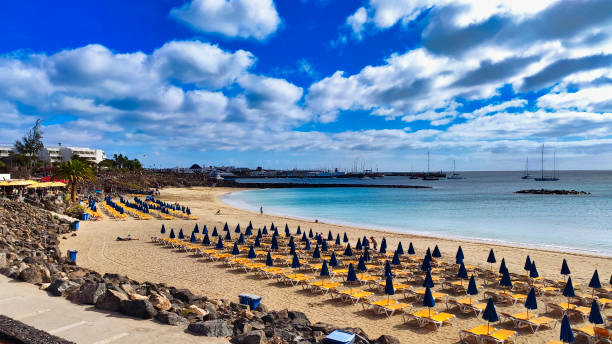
551, 192
29, 252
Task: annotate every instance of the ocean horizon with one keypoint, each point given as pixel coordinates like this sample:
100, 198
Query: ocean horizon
483, 207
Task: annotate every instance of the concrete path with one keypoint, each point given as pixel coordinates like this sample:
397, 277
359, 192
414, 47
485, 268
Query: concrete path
84, 324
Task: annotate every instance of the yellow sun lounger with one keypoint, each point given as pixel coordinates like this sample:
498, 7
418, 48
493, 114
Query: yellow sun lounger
389, 307
500, 336
595, 334
529, 319
475, 334
465, 306
355, 295
428, 316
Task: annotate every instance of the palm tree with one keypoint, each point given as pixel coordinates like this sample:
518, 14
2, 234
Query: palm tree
74, 171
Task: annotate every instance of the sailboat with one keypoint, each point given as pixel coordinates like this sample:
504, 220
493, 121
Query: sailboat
428, 176
526, 175
554, 176
454, 175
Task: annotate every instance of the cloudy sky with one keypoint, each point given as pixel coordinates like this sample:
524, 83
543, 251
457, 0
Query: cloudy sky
314, 83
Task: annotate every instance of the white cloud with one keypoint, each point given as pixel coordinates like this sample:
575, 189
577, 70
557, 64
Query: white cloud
256, 19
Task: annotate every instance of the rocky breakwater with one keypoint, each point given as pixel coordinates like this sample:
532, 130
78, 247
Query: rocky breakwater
552, 192
29, 252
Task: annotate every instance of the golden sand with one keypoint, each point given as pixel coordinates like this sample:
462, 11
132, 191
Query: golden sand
143, 261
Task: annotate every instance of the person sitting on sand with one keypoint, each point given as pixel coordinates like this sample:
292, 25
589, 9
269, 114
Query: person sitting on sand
218, 211
374, 243
128, 238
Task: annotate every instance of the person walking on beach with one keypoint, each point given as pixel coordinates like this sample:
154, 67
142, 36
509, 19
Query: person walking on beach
261, 210
374, 243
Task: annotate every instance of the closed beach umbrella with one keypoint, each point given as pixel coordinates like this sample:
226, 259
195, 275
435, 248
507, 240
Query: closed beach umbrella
502, 266
295, 263
310, 235
248, 231
348, 252
235, 250
568, 290
389, 290
436, 252
228, 236
527, 266
291, 242
219, 243
265, 231
388, 268
196, 229
275, 231
333, 261
358, 245
272, 227
462, 273
459, 256
307, 245
365, 242
304, 238
428, 281
319, 239
287, 234
259, 235
383, 245
411, 250
428, 254
531, 302
361, 266
428, 300
491, 259
506, 281
252, 254
595, 317
399, 249
172, 236
490, 314
205, 230
181, 235
274, 244
565, 270
351, 276
396, 259
206, 240
324, 246
241, 240
567, 335
163, 229
533, 272
324, 269
214, 232
345, 239
292, 249
269, 261
316, 253
366, 254
250, 224
193, 238
225, 227
257, 242
299, 231
472, 289
330, 236
426, 265
338, 239
595, 283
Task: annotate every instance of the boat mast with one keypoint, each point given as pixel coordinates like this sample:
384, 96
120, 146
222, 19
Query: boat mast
542, 161
427, 162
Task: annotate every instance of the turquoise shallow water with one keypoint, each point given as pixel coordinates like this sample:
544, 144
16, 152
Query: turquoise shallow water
481, 207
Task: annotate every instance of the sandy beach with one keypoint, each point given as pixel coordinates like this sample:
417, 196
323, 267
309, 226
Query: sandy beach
144, 261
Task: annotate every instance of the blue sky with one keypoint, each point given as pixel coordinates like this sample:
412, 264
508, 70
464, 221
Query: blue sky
314, 83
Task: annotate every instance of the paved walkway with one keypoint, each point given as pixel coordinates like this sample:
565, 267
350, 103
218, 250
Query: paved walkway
84, 324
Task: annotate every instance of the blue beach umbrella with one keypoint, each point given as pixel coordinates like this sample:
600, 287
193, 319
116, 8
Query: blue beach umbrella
565, 270
319, 239
383, 245
163, 229
248, 231
204, 230
399, 249
274, 244
295, 263
361, 266
345, 239
472, 289
428, 281
411, 250
502, 266
566, 335
287, 234
533, 272
324, 269
506, 281
193, 238
330, 236
426, 265
358, 245
292, 249
365, 242
206, 240
324, 246
181, 235
388, 270
259, 234
219, 243
352, 275
299, 230
428, 255
348, 252
436, 252
491, 259
462, 273
595, 283
250, 224
595, 317
275, 231
490, 314
428, 300
304, 238
264, 231
252, 254
338, 239
527, 266
235, 250
366, 254
172, 236
291, 242
316, 253
307, 245
228, 236
196, 229
333, 260
214, 232
568, 290
269, 261
310, 234
237, 230
396, 259
225, 227
531, 302
389, 289
459, 256
257, 242
241, 240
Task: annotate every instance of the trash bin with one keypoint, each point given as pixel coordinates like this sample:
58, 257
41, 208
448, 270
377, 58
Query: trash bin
250, 299
75, 225
72, 254
339, 337
85, 216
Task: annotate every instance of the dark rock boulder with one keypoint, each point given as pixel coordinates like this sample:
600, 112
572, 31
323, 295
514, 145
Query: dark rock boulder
211, 328
386, 339
111, 300
252, 337
171, 318
90, 293
184, 295
138, 308
60, 287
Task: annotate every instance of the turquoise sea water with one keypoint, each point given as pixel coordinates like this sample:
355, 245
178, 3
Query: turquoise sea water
482, 207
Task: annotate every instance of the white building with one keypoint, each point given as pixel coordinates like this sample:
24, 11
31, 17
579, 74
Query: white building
5, 151
59, 154
50, 154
